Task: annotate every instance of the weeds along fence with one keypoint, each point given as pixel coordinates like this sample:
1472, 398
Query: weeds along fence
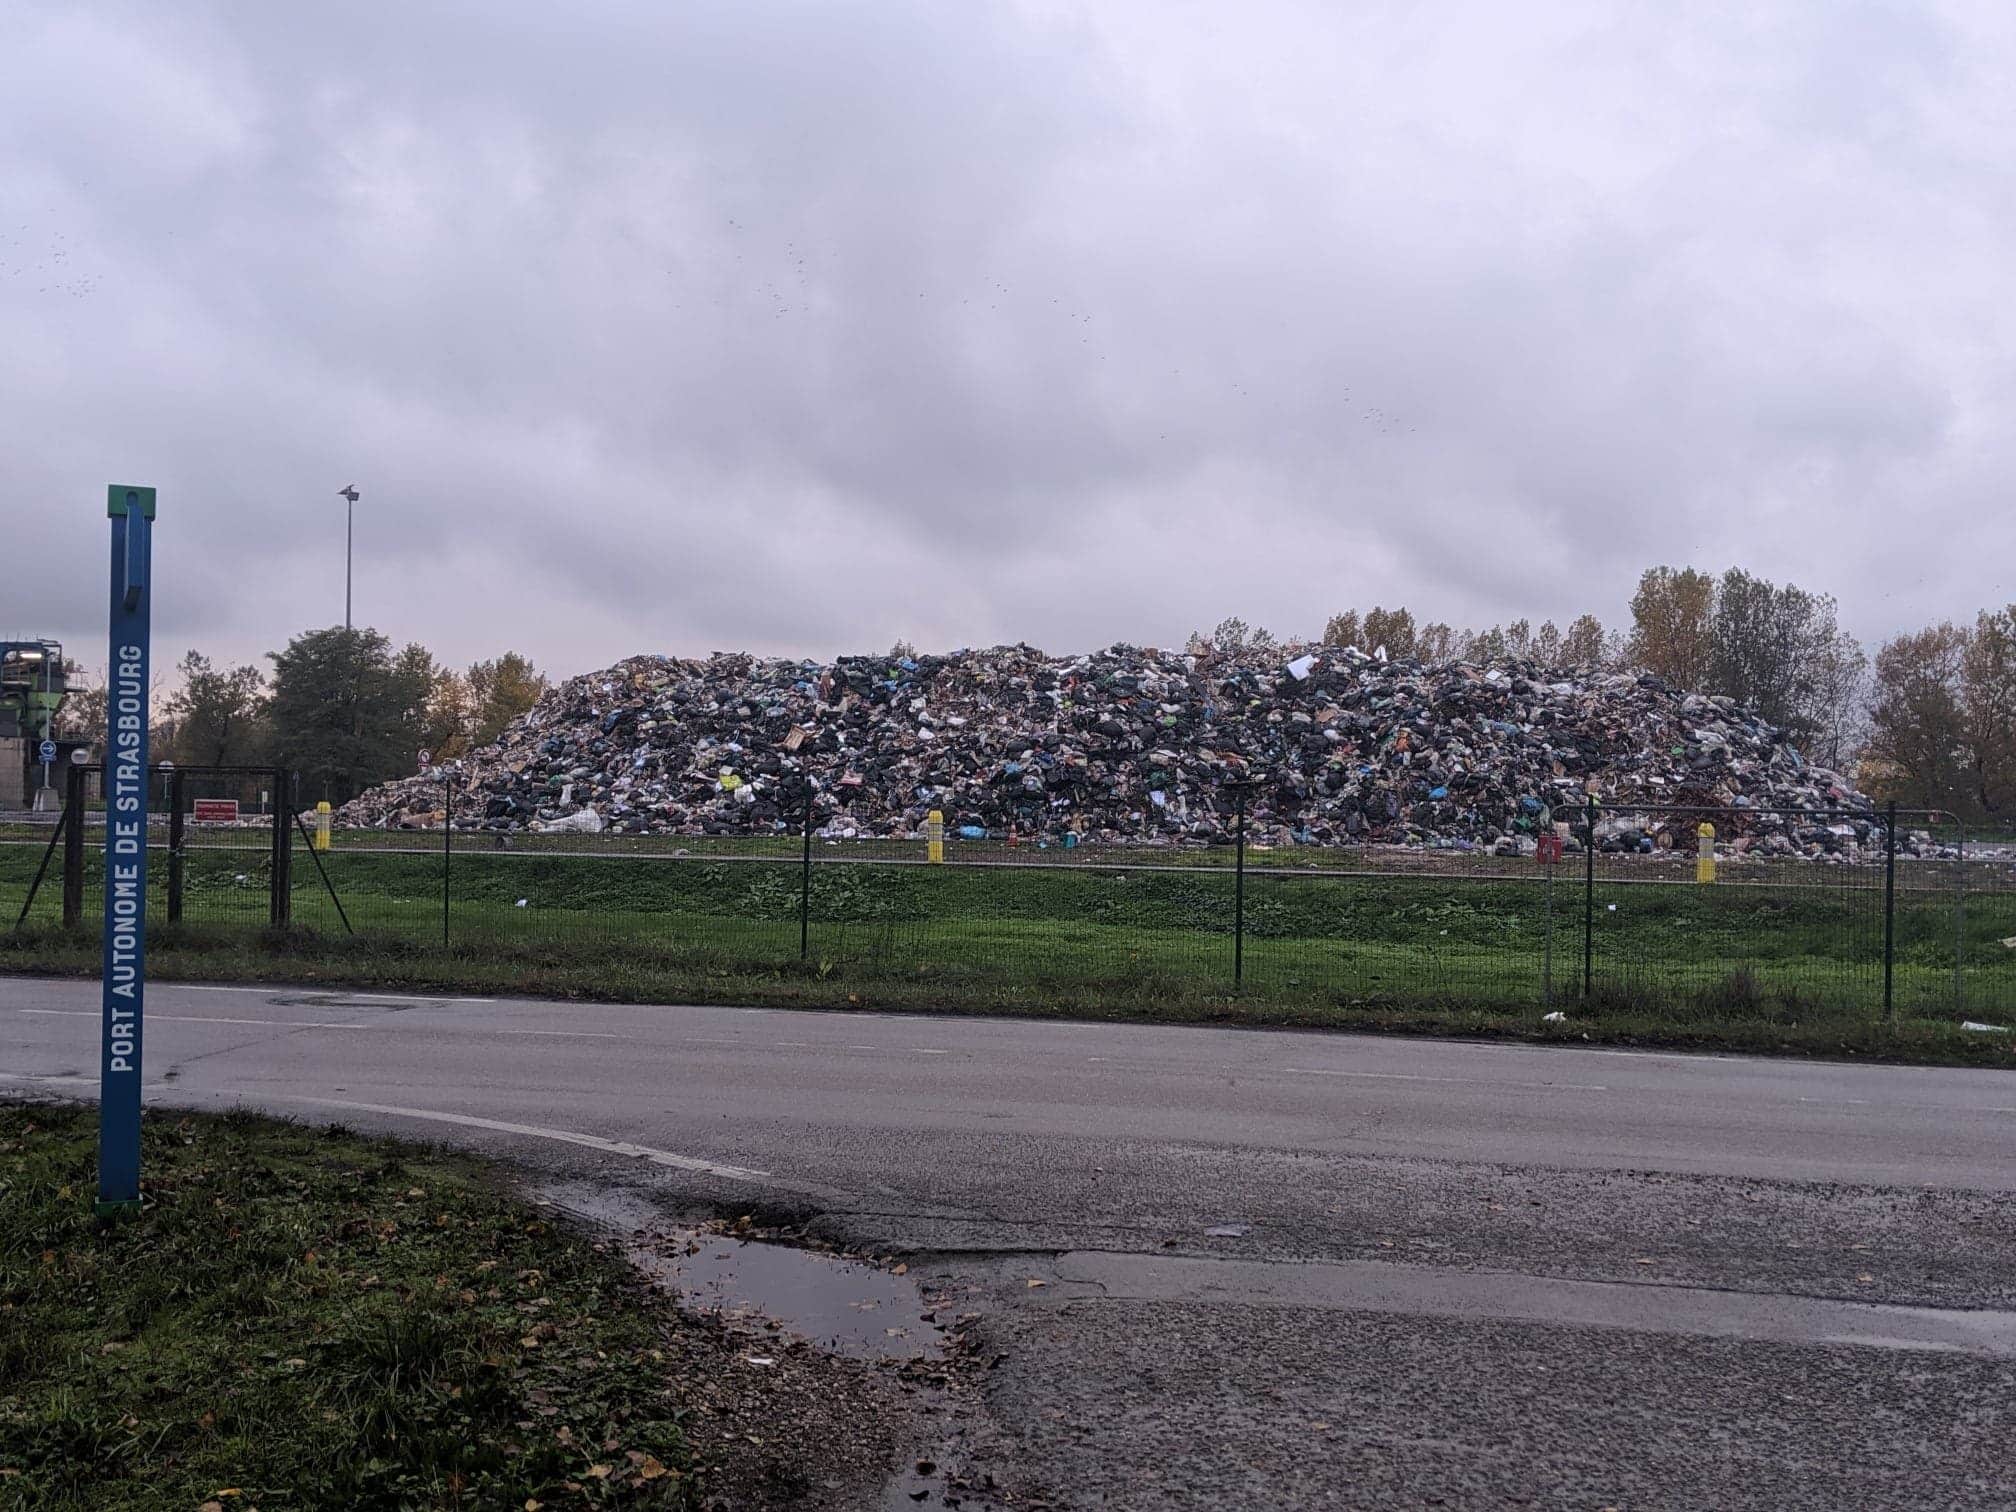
1623, 907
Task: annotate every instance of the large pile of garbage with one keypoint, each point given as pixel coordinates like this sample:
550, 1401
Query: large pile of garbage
1136, 746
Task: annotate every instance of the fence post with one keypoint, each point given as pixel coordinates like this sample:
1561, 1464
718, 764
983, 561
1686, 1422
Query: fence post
1239, 891
55, 838
1889, 909
447, 845
1547, 960
280, 912
323, 872
73, 848
175, 843
1959, 917
1588, 896
805, 878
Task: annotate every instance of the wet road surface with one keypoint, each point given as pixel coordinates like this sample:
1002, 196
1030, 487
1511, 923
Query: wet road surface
1215, 1268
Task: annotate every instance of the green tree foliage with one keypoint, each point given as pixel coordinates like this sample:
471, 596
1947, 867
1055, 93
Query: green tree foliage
1988, 699
449, 718
1485, 645
1342, 629
1435, 642
1917, 750
1391, 628
81, 715
1583, 644
1231, 633
501, 689
1234, 634
1781, 649
1672, 624
347, 712
218, 714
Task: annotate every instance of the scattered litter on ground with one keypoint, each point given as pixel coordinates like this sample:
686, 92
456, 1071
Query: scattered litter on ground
1969, 1024
1144, 746
1556, 1017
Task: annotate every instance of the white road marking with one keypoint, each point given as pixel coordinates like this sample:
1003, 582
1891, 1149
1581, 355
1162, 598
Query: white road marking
498, 1125
536, 1131
555, 1033
1900, 1107
268, 991
1468, 1081
153, 1016
922, 1051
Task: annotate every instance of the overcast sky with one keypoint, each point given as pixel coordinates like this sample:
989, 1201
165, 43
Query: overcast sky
801, 327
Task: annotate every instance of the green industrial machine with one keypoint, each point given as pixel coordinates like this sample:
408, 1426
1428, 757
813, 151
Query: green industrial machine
33, 681
32, 685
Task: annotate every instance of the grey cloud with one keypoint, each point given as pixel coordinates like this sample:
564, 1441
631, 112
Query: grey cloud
803, 326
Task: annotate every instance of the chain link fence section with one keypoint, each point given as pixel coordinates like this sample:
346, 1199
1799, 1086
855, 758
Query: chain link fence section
1655, 919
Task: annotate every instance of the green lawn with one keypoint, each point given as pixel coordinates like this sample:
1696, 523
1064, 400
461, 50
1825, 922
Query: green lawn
1790, 944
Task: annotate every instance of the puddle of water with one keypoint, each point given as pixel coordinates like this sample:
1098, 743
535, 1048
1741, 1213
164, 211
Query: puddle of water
843, 1306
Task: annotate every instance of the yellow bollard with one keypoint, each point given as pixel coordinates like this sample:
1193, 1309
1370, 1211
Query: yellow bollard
323, 823
934, 837
1704, 856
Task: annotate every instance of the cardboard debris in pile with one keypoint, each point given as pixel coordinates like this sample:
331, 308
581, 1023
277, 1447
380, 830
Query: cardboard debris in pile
1132, 745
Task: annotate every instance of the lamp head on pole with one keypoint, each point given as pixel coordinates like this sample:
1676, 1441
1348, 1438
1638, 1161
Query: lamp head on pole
348, 491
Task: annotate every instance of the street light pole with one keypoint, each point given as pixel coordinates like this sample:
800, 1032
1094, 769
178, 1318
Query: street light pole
348, 494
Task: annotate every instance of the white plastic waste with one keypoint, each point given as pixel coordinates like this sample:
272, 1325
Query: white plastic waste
581, 822
1985, 1028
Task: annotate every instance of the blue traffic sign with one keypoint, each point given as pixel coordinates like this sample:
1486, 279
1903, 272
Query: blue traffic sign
46, 752
125, 935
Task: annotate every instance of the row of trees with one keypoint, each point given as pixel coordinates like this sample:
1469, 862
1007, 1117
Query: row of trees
1582, 644
1943, 719
342, 707
1779, 648
1931, 722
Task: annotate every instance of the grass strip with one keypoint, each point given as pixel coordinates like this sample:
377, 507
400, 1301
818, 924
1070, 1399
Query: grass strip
312, 1319
1734, 1011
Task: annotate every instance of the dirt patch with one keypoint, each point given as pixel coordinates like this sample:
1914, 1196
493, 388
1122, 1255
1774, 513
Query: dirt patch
813, 1378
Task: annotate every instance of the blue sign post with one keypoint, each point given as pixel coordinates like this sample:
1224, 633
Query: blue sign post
125, 934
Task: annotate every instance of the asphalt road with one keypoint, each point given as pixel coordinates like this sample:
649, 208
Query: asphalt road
1443, 1274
